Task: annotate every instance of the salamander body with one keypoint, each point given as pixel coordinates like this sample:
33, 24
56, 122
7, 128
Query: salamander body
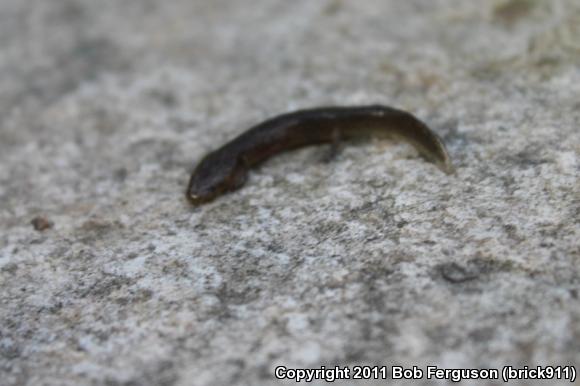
226, 168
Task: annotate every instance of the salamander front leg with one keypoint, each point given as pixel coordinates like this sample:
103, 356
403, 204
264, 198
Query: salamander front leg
335, 146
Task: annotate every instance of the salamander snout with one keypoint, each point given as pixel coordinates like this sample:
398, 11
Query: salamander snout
198, 196
203, 188
212, 178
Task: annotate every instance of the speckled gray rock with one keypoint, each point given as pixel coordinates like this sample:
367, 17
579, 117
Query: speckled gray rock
373, 258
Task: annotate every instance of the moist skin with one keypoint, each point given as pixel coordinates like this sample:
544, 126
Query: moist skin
226, 168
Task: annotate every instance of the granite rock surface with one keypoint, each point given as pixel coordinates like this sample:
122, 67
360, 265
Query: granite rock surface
109, 277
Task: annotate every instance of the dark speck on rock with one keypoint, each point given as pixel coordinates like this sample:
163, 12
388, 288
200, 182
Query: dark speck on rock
41, 223
120, 174
401, 224
473, 269
455, 273
512, 11
166, 98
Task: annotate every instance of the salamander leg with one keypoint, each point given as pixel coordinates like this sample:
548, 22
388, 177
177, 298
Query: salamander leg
335, 147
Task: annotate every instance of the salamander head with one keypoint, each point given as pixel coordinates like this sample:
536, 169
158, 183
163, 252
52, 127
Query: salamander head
213, 176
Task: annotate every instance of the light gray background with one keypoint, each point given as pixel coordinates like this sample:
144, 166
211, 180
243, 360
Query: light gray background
375, 257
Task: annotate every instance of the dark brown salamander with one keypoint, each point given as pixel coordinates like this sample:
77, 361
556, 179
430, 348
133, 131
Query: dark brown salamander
226, 168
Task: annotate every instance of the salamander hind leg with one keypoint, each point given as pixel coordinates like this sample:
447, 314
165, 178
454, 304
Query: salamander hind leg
335, 147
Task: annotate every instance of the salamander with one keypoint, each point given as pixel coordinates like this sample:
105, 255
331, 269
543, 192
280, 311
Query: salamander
226, 169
